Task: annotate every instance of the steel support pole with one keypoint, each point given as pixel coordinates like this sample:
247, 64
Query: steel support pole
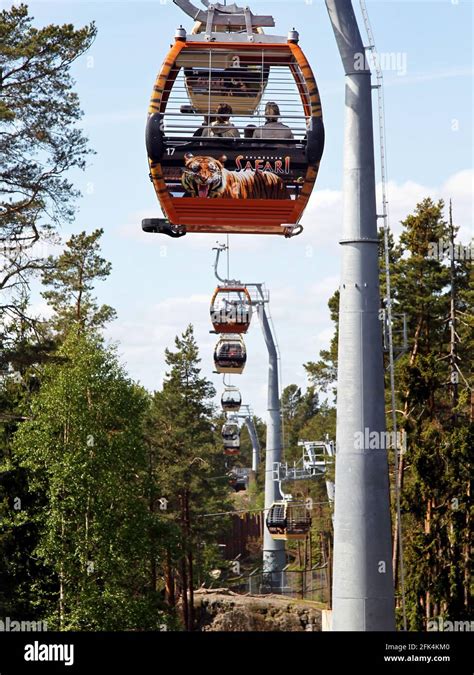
363, 595
255, 443
274, 557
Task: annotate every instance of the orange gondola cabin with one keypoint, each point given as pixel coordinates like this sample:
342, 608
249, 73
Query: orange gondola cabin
231, 309
234, 133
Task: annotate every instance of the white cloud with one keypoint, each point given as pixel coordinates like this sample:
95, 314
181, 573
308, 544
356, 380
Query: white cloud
323, 216
322, 220
458, 187
142, 340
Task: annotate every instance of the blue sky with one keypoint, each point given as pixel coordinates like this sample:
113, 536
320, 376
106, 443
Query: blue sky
159, 285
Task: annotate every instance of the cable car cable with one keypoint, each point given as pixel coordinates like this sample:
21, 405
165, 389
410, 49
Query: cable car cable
262, 510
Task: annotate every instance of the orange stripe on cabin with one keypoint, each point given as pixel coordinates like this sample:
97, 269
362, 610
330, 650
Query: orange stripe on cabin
310, 81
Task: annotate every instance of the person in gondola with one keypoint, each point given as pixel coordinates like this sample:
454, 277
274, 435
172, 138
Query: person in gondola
238, 87
272, 127
222, 127
249, 130
208, 120
218, 86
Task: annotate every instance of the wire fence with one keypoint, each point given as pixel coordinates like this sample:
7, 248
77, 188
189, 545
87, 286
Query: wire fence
310, 584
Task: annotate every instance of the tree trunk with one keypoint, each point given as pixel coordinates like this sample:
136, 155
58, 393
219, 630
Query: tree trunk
191, 592
183, 563
467, 554
184, 592
401, 462
79, 297
453, 357
329, 569
399, 477
428, 531
61, 582
170, 590
190, 564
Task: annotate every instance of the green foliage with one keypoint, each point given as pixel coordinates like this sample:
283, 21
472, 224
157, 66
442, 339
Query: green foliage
70, 277
433, 400
82, 451
435, 414
38, 113
297, 410
187, 466
180, 417
40, 144
323, 373
320, 425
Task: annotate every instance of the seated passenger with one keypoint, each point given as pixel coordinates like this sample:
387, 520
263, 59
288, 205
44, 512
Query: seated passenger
249, 130
208, 120
222, 127
237, 87
272, 127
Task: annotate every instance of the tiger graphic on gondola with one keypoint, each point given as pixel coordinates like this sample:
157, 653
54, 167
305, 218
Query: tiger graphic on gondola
206, 177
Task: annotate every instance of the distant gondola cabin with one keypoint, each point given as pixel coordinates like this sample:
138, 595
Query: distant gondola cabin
231, 309
230, 355
288, 521
231, 438
231, 399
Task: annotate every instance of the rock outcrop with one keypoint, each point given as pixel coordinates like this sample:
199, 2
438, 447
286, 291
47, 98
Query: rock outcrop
223, 610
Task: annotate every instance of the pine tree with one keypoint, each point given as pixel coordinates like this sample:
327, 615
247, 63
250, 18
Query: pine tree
434, 472
323, 373
297, 410
71, 277
39, 140
26, 347
434, 409
186, 461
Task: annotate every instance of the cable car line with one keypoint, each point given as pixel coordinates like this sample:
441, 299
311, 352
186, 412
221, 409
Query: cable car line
262, 510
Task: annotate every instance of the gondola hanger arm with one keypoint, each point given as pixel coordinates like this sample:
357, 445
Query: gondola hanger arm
231, 16
220, 248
